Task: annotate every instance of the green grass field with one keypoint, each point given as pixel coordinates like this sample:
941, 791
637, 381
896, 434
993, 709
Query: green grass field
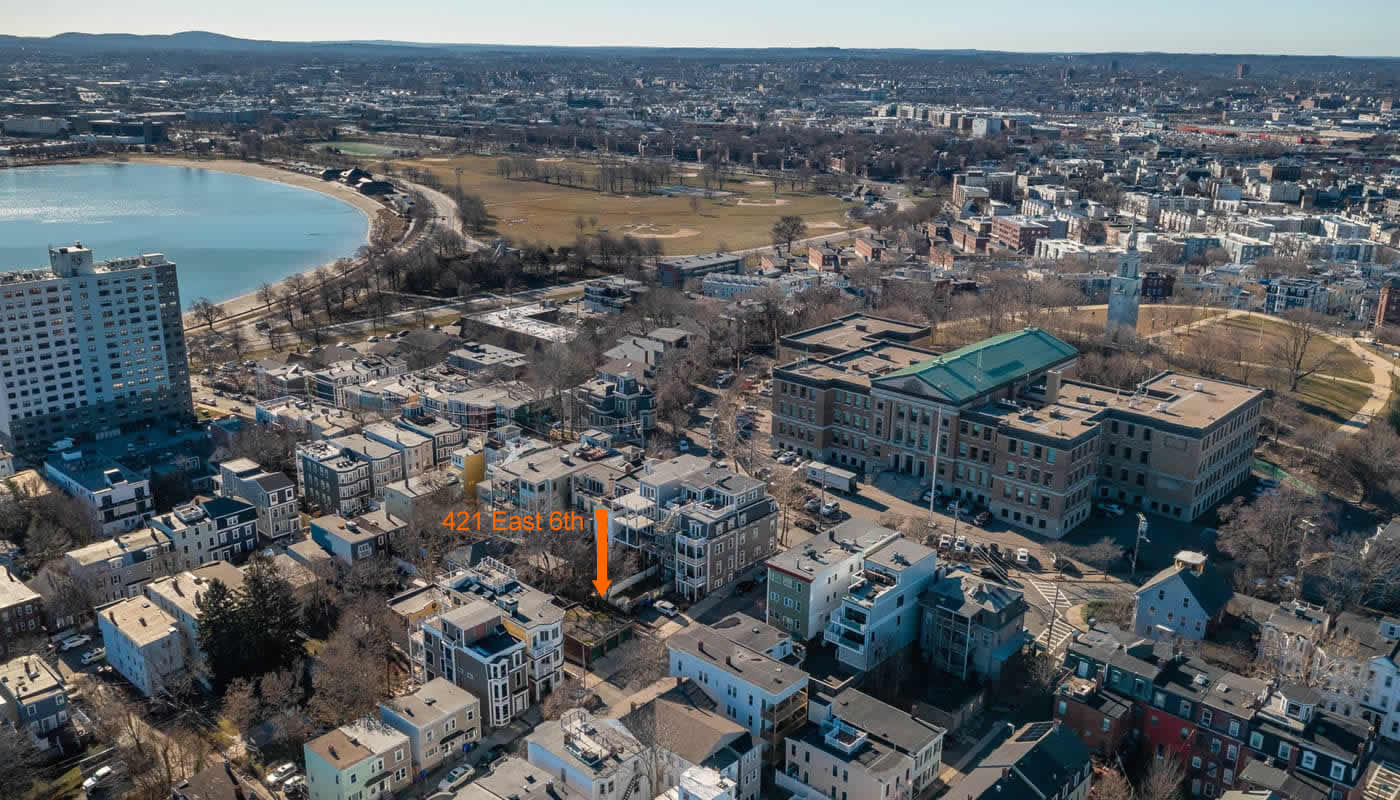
1331, 401
531, 211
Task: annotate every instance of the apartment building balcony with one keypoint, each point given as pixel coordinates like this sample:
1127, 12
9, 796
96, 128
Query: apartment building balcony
633, 529
851, 619
781, 719
850, 645
699, 562
416, 658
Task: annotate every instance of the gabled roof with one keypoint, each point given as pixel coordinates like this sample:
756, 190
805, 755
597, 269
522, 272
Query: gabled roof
963, 374
1036, 760
1210, 588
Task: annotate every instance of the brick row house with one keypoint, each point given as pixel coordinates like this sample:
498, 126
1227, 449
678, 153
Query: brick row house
1135, 696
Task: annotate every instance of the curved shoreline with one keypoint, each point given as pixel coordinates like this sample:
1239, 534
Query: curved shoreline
248, 301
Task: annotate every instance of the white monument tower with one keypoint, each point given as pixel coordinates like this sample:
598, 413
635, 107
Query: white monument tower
1125, 293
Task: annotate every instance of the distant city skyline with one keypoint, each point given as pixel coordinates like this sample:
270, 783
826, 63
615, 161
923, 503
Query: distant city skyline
1264, 27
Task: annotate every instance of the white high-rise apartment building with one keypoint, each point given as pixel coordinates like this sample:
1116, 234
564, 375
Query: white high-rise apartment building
88, 349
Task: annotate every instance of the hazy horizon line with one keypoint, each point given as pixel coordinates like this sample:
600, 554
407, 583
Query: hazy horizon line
576, 46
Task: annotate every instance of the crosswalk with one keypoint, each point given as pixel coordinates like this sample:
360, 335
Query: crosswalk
1056, 636
1058, 633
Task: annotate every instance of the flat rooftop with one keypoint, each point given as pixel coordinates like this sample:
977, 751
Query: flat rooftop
700, 261
28, 676
139, 620
1169, 398
861, 366
523, 319
846, 540
854, 331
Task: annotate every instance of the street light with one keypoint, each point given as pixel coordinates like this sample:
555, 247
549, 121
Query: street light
1141, 537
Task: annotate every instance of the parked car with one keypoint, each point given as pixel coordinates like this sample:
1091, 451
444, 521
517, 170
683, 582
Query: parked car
683, 445
960, 544
97, 778
812, 504
1023, 556
926, 496
805, 524
787, 457
1111, 509
945, 541
280, 773
831, 508
666, 608
296, 787
95, 654
74, 641
449, 783
982, 518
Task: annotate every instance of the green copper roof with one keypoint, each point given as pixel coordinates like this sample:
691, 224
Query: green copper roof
960, 375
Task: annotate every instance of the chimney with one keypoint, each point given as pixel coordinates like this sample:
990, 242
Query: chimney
1052, 386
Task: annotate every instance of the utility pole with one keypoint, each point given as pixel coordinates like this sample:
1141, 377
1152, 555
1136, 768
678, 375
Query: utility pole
933, 473
1141, 537
1305, 526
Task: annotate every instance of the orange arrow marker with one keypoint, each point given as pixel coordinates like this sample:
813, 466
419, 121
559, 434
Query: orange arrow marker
600, 531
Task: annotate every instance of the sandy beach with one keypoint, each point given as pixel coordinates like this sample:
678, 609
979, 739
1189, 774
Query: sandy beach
246, 302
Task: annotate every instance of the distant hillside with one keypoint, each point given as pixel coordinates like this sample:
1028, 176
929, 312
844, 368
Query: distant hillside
205, 41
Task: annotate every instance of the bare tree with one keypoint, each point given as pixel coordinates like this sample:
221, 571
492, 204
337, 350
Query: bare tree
240, 706
237, 342
1163, 780
267, 295
1303, 349
1111, 784
1267, 536
1363, 464
788, 229
207, 312
19, 758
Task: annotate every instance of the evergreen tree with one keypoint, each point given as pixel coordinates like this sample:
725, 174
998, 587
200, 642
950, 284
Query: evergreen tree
270, 616
220, 633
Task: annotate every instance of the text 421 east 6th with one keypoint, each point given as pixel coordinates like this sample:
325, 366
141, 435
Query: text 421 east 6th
504, 521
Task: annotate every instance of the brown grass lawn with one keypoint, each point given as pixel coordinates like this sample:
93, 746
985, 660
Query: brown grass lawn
530, 211
1259, 336
1151, 318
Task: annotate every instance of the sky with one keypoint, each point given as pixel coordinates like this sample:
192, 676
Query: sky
1302, 27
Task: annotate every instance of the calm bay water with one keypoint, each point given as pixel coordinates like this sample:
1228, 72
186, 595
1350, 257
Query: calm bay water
228, 233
